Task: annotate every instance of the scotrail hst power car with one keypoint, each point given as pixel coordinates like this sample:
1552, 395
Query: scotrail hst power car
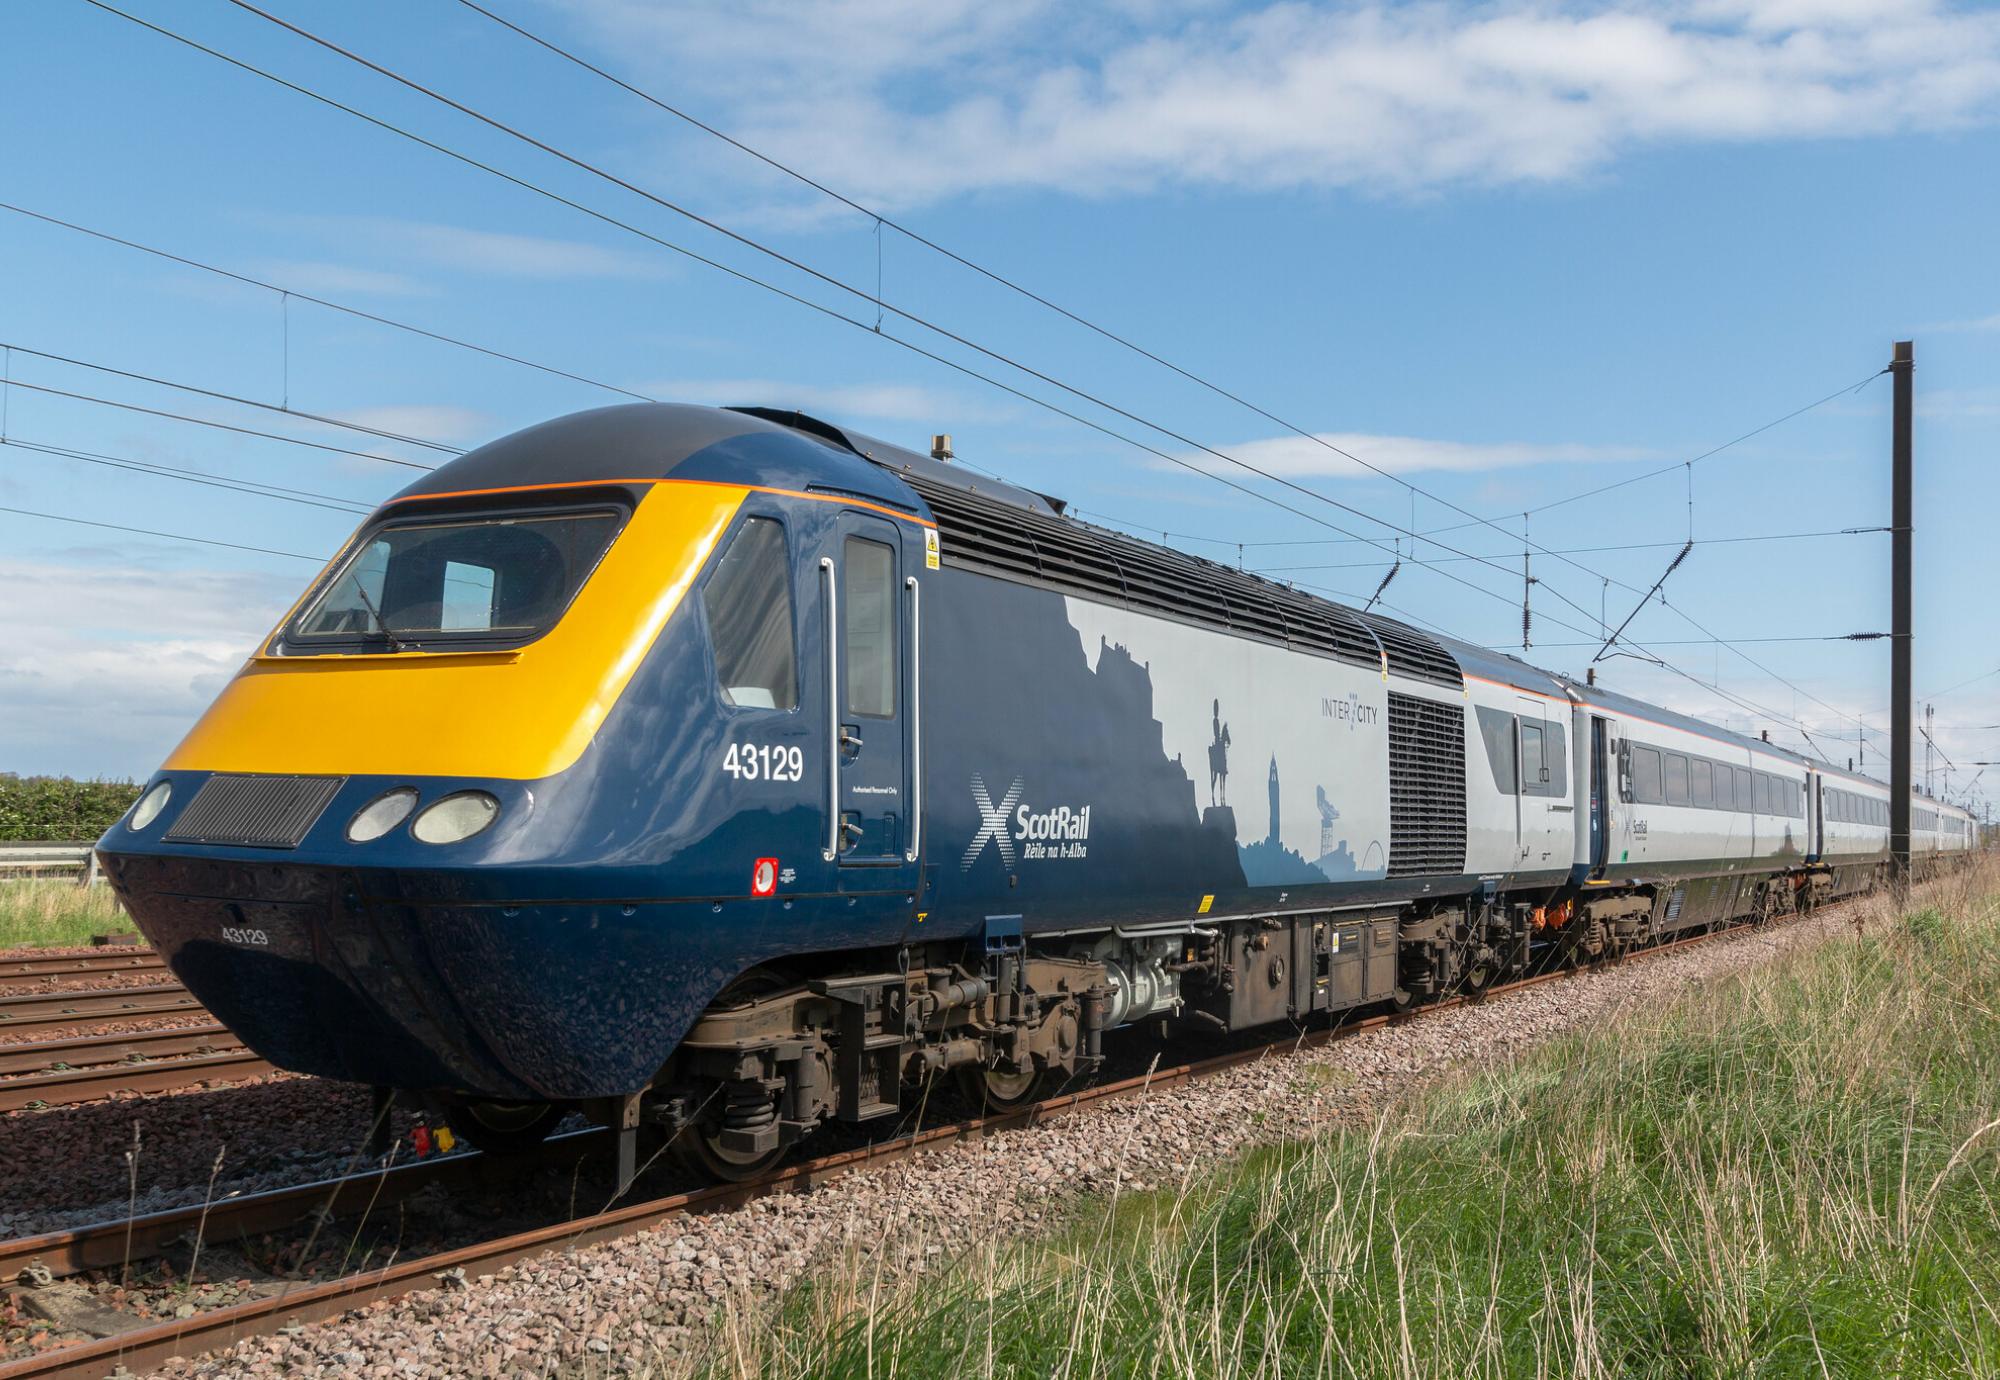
720, 773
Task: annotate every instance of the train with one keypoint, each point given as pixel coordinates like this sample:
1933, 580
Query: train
719, 774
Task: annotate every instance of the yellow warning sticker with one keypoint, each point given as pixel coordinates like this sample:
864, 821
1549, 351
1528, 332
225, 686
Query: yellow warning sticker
930, 548
1336, 941
1206, 902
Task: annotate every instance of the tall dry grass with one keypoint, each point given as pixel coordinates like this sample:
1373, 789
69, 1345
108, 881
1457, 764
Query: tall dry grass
1792, 1172
36, 912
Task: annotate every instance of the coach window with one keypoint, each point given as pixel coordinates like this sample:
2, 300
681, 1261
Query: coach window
1725, 787
868, 627
748, 601
1745, 789
1701, 785
1532, 766
1646, 776
1555, 756
1760, 793
1497, 731
1677, 779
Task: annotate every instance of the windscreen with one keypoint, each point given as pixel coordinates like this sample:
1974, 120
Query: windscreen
495, 580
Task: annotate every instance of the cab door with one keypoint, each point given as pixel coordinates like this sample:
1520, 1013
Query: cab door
1541, 787
872, 671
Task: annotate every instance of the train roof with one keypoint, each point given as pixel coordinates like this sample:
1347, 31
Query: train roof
1009, 530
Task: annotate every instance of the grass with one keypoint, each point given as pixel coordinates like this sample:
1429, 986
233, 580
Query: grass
1788, 1173
39, 912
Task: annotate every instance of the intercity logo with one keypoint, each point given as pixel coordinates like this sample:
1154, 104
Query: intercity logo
1059, 833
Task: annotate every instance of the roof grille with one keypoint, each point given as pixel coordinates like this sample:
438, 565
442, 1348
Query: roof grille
1426, 787
254, 811
1014, 543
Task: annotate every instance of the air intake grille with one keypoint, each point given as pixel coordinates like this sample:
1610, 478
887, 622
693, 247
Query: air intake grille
1413, 654
1426, 787
995, 538
255, 811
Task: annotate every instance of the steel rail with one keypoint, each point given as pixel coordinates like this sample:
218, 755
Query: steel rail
104, 1005
69, 1086
26, 974
86, 1051
96, 1246
147, 1347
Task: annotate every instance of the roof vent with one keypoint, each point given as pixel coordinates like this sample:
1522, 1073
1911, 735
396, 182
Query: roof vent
941, 446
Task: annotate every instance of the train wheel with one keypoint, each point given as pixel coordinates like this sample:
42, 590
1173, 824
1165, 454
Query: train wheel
993, 1091
701, 1146
737, 1106
501, 1128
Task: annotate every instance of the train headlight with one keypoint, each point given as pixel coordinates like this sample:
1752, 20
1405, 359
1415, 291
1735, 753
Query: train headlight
381, 814
456, 817
150, 804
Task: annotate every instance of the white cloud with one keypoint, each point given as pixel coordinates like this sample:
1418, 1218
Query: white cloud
1294, 456
334, 280
1977, 323
441, 423
911, 101
90, 684
463, 249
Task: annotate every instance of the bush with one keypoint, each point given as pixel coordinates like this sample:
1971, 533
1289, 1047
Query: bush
57, 809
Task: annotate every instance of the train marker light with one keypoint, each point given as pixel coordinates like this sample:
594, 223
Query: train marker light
381, 814
456, 817
149, 806
764, 877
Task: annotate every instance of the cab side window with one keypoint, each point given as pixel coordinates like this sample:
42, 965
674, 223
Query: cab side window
748, 600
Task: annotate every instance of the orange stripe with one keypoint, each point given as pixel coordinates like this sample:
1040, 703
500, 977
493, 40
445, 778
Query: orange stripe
827, 498
601, 483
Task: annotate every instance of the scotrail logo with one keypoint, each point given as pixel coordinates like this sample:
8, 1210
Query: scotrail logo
1059, 833
992, 823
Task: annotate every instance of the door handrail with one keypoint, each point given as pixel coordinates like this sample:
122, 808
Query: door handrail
828, 582
916, 729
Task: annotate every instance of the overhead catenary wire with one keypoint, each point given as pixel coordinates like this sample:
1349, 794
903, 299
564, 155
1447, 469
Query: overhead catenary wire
290, 292
188, 476
880, 220
1592, 550
167, 536
219, 426
791, 296
239, 401
832, 281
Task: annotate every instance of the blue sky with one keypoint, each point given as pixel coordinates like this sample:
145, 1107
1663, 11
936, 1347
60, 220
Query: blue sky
1508, 252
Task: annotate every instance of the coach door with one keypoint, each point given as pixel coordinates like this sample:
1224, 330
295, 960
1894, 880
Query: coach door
1541, 786
1600, 792
871, 608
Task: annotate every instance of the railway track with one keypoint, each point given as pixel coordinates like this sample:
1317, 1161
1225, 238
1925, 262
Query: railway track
148, 1346
78, 1061
24, 974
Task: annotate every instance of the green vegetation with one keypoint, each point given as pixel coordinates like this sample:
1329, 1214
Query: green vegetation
1790, 1173
49, 911
56, 809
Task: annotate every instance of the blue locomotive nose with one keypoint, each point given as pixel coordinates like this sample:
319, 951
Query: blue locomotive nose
319, 974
